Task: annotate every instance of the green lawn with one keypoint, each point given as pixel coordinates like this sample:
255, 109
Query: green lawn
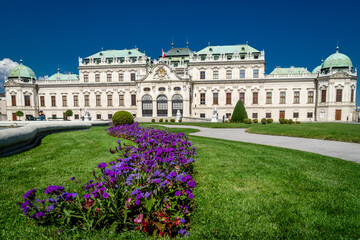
244, 191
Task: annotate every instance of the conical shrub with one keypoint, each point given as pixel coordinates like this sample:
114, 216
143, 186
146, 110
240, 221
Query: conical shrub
239, 113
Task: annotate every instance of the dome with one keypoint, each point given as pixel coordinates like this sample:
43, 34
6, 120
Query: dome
60, 76
337, 60
22, 71
317, 69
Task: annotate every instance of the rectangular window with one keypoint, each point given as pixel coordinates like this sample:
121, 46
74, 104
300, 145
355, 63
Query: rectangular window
352, 95
76, 116
309, 114
202, 98
215, 98
109, 100
27, 100
228, 74
110, 116
121, 100
268, 115
338, 95
42, 101
282, 97
323, 96
98, 116
228, 98
108, 77
132, 76
121, 77
98, 100
254, 115
202, 115
216, 74
256, 73
242, 97
86, 78
255, 98
242, 73
76, 100
268, 97
13, 100
295, 115
53, 116
53, 101
133, 100
64, 101
202, 74
87, 100
297, 97
97, 77
310, 96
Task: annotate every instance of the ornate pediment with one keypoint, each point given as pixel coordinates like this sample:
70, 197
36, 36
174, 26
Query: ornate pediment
161, 72
340, 75
11, 83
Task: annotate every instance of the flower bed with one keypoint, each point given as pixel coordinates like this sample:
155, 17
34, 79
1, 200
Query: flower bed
150, 188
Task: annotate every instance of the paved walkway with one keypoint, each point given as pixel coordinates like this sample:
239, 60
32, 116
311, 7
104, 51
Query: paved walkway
342, 150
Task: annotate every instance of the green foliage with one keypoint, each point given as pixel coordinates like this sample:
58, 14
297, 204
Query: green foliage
286, 121
263, 121
166, 120
247, 121
172, 120
161, 120
122, 117
19, 113
255, 120
69, 113
291, 121
239, 113
281, 120
153, 120
297, 122
180, 120
269, 120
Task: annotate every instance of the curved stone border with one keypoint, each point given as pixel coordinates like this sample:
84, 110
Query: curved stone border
18, 139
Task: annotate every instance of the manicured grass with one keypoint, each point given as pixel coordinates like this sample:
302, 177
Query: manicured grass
207, 124
244, 191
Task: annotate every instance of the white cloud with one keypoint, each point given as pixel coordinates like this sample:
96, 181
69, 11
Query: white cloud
5, 66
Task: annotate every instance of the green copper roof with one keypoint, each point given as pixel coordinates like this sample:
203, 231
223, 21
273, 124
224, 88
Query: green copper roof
317, 69
173, 52
22, 71
337, 60
61, 77
290, 70
118, 53
241, 48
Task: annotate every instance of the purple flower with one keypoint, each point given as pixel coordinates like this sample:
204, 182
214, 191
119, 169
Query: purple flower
105, 195
87, 196
183, 220
182, 231
39, 214
30, 194
177, 193
102, 165
54, 190
191, 184
72, 178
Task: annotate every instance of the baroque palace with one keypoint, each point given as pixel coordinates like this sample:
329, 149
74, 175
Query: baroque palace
189, 81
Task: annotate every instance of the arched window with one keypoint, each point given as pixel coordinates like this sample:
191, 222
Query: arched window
147, 106
177, 104
162, 106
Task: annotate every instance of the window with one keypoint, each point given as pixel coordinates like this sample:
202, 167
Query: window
338, 95
110, 116
216, 74
242, 73
254, 115
309, 114
86, 101
146, 89
162, 105
42, 101
228, 98
76, 116
161, 89
147, 106
352, 95
242, 97
76, 100
86, 78
53, 101
295, 115
98, 116
268, 115
202, 115
255, 97
268, 97
132, 76
215, 98
310, 96
228, 74
13, 100
53, 116
282, 97
228, 57
109, 100
121, 77
98, 100
97, 77
133, 100
121, 100
202, 74
177, 88
256, 73
27, 100
323, 96
202, 98
296, 97
64, 101
108, 77
177, 104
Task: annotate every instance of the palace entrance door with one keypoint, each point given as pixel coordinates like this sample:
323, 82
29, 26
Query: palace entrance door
14, 118
338, 114
282, 114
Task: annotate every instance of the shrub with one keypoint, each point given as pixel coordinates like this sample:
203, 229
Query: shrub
180, 120
269, 120
247, 121
239, 113
291, 121
122, 117
297, 122
263, 121
172, 120
19, 114
255, 120
68, 113
166, 120
161, 120
153, 120
286, 121
281, 120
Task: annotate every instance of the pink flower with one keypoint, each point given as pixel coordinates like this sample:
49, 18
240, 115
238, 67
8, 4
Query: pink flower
139, 218
129, 199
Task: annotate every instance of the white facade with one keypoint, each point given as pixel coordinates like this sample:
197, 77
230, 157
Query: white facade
194, 83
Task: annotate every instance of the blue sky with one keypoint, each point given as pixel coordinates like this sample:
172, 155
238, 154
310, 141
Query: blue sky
48, 34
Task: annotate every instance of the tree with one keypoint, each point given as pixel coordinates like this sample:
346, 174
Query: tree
19, 114
239, 113
68, 113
